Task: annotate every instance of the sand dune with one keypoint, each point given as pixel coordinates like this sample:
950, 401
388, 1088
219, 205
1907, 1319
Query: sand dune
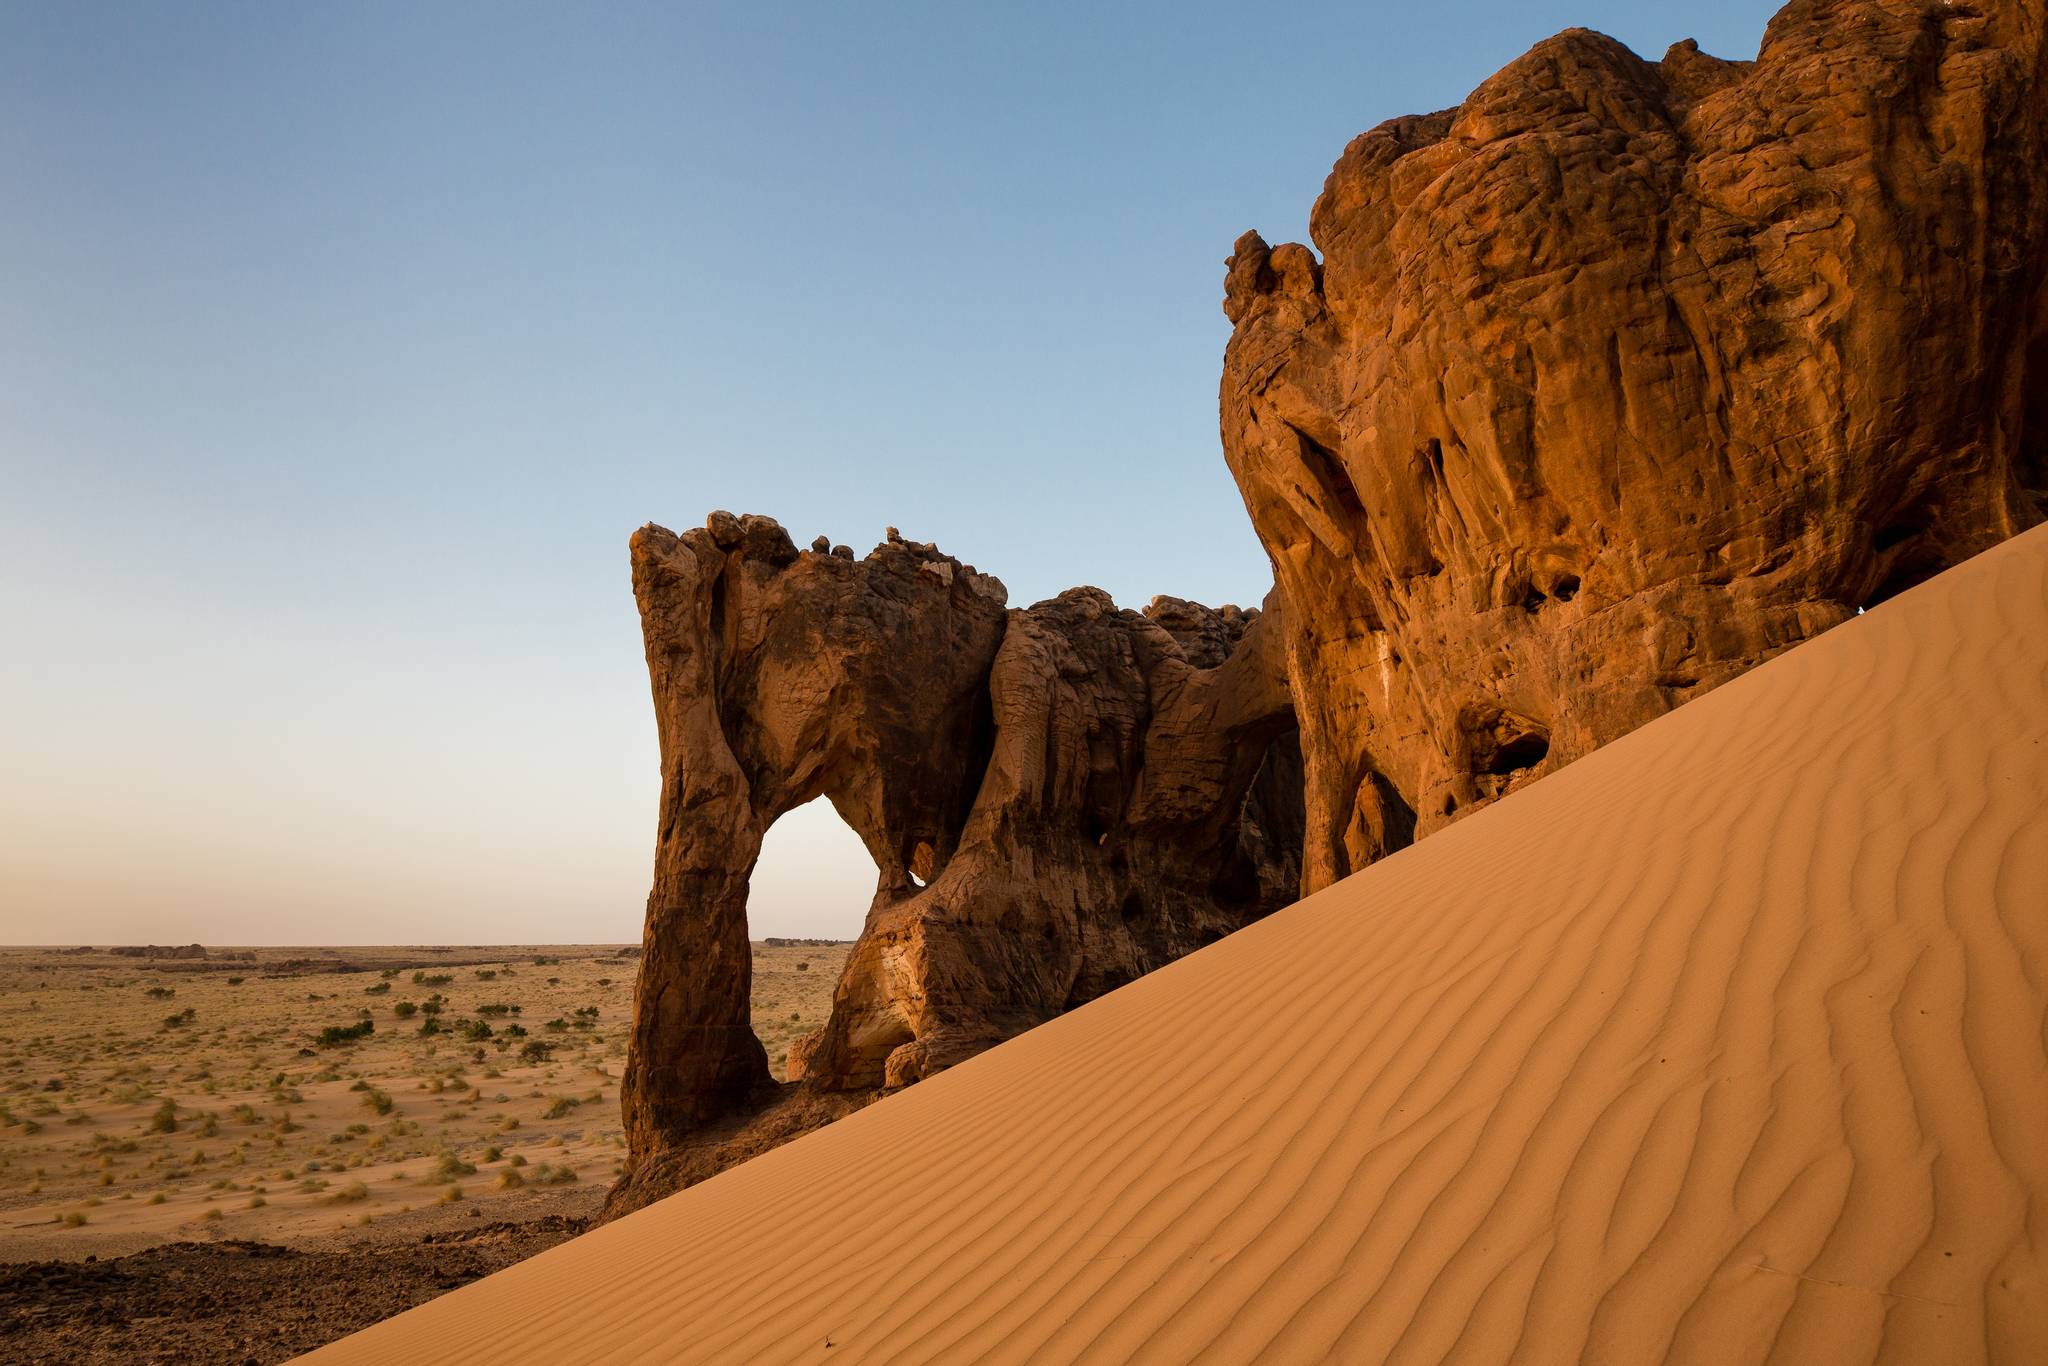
1722, 1045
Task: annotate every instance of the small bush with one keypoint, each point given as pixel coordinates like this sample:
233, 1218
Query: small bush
349, 1194
236, 981
510, 1180
73, 1219
448, 1166
546, 1175
342, 1034
165, 1120
377, 990
405, 1010
377, 1101
486, 975
160, 993
560, 1106
433, 979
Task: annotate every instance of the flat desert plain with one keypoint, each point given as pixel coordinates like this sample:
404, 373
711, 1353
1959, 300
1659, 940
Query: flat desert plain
337, 1101
1721, 1045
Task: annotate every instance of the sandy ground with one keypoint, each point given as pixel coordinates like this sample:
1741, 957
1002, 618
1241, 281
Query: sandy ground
1722, 1045
126, 1121
151, 1103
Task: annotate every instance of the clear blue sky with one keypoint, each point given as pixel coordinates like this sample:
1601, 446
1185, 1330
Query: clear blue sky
342, 346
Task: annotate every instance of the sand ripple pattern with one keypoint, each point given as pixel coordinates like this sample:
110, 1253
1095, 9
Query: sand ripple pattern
1728, 1043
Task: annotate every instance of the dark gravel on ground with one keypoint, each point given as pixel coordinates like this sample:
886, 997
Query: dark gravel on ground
228, 1303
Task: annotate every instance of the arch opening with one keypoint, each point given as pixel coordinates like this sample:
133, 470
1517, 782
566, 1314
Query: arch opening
807, 902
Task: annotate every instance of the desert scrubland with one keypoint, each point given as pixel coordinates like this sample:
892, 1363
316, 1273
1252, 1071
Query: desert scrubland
342, 1103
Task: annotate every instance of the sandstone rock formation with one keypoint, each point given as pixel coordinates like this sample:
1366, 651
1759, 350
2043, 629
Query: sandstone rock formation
1623, 376
1607, 385
1057, 798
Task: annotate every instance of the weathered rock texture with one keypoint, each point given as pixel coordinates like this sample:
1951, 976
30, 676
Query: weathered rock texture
1623, 376
1058, 798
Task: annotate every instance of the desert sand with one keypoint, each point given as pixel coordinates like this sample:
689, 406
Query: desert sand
1723, 1044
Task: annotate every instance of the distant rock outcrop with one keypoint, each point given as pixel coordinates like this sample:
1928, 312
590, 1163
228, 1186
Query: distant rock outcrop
157, 951
1059, 798
1624, 376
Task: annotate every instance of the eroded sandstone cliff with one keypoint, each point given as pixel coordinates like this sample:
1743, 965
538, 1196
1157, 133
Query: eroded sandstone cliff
1623, 376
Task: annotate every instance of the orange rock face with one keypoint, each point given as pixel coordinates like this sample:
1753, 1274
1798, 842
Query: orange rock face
1623, 376
1058, 799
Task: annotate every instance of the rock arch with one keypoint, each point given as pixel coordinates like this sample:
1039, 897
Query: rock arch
1022, 778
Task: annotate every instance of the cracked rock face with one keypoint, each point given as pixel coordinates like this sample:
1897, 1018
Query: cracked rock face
1057, 798
1623, 376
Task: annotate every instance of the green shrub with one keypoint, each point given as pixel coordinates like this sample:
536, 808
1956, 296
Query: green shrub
405, 1010
340, 1034
165, 1120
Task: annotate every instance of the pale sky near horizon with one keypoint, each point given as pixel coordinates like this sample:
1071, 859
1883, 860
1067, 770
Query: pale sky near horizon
342, 347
